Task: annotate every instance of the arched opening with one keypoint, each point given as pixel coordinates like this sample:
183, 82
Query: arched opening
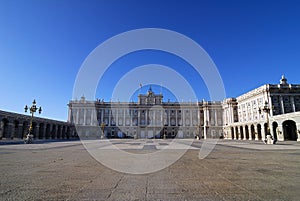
266, 129
246, 132
53, 132
289, 130
58, 131
16, 129
68, 132
64, 132
275, 126
41, 131
4, 129
25, 129
252, 132
33, 132
237, 132
242, 132
232, 133
259, 132
48, 129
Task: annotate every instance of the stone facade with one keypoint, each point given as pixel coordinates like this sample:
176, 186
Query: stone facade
244, 121
150, 117
241, 118
15, 126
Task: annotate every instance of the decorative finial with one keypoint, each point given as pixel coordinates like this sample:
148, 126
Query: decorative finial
283, 80
150, 90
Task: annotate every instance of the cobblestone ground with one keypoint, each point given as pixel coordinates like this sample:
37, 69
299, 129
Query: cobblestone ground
232, 171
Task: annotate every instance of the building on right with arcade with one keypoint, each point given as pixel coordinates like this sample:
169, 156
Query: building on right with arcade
271, 108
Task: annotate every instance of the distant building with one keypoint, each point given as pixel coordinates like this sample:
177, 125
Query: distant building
243, 118
150, 117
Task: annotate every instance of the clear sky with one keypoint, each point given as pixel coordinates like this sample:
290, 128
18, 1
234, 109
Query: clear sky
44, 43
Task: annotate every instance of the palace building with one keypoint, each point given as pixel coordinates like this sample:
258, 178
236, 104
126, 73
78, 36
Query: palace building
150, 117
271, 108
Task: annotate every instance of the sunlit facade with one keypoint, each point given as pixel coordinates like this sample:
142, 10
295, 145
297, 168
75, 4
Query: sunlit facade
271, 108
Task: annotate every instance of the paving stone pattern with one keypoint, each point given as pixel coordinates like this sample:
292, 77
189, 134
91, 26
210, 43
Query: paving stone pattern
232, 171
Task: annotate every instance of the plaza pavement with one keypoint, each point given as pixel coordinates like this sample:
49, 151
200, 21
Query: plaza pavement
233, 170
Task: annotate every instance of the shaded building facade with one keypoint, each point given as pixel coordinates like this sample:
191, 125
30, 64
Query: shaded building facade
15, 126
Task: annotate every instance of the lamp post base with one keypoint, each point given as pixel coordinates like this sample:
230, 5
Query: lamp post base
28, 139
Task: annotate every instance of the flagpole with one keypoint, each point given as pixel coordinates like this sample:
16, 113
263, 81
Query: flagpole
140, 88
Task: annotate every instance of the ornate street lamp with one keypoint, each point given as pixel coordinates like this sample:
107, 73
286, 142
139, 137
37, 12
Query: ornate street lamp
102, 128
32, 110
266, 109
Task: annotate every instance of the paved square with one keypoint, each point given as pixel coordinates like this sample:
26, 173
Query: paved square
234, 170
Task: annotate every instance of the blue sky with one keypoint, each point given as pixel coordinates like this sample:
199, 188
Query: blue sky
44, 43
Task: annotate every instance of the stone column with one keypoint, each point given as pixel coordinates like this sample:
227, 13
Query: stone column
92, 123
44, 131
124, 117
37, 131
77, 116
205, 115
263, 133
102, 116
109, 116
139, 118
183, 118
205, 132
117, 117
191, 118
256, 133
169, 117
234, 133
293, 103
250, 132
19, 132
84, 117
271, 106
230, 118
162, 118
176, 118
282, 105
146, 119
153, 120
131, 114
244, 132
216, 118
1, 129
11, 130
208, 117
239, 133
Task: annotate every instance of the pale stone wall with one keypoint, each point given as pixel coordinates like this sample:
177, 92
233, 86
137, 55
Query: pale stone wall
283, 118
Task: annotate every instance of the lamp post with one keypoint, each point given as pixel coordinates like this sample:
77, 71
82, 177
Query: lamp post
102, 128
266, 109
32, 110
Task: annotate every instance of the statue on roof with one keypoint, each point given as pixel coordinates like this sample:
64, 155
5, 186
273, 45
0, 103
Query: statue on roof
283, 80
